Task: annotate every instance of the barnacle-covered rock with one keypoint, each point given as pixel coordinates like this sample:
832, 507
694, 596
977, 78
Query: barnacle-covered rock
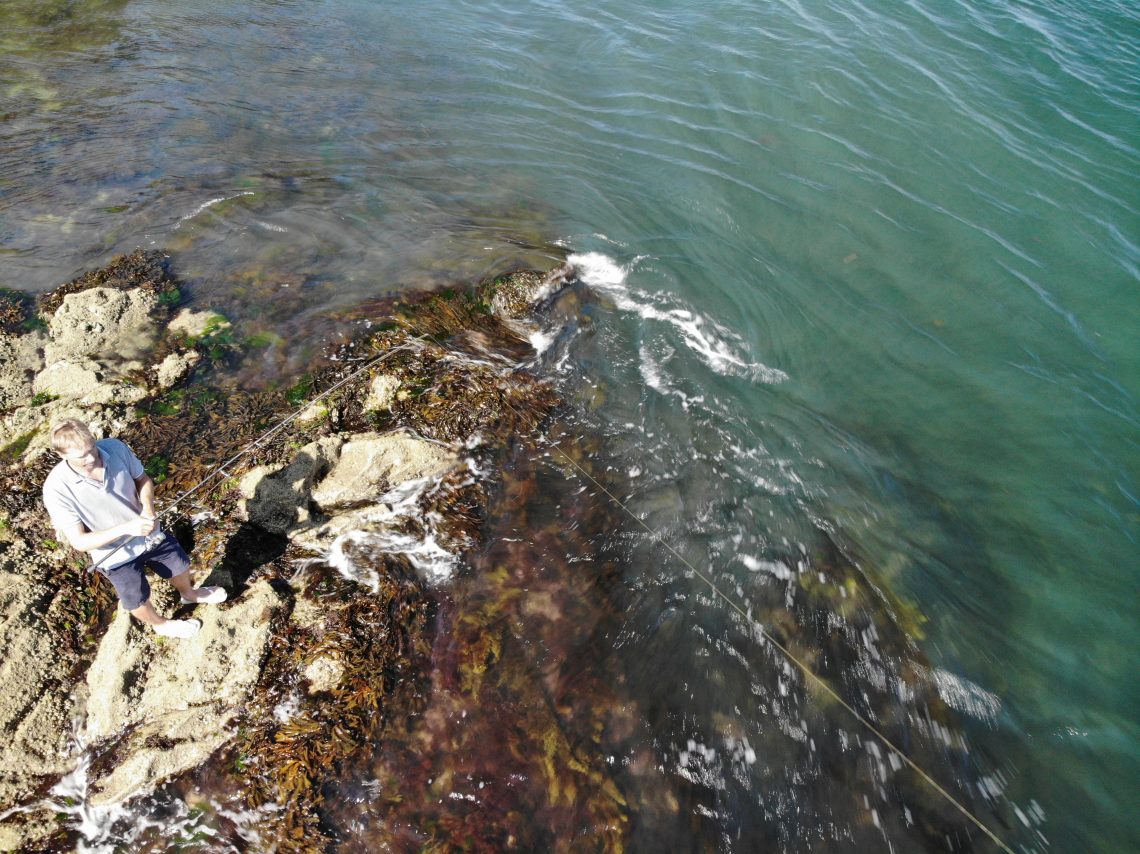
516, 294
382, 392
175, 368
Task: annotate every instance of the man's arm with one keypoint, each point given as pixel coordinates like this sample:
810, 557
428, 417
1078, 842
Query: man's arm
145, 487
83, 540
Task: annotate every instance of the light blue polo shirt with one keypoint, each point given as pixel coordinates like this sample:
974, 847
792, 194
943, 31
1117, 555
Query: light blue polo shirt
70, 497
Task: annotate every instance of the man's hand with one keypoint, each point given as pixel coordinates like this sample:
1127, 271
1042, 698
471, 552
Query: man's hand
85, 541
141, 527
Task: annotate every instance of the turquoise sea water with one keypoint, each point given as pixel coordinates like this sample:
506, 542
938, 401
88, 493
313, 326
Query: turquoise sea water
866, 269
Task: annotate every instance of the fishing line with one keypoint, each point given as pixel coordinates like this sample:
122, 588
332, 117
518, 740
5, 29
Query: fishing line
655, 535
807, 671
221, 467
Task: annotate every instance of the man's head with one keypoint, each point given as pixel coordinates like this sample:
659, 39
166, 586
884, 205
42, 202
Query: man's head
72, 440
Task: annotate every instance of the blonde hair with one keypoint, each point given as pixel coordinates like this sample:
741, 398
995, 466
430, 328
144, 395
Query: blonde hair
69, 434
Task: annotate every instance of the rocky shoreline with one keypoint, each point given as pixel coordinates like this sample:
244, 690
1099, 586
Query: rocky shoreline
417, 649
376, 463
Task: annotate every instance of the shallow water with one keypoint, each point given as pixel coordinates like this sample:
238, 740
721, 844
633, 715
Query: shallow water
865, 271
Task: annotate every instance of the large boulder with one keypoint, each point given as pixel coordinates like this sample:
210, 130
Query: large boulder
370, 464
338, 477
102, 323
171, 702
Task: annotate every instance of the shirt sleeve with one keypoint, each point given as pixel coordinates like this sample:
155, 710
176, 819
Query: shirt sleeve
60, 509
133, 464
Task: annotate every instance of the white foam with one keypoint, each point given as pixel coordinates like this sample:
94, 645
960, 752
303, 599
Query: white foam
719, 347
114, 827
962, 694
209, 204
541, 341
397, 526
776, 568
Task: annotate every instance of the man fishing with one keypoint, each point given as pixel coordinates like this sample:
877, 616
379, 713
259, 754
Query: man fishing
99, 497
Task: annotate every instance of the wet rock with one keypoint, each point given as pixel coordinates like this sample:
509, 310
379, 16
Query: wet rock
324, 674
333, 476
381, 393
194, 324
371, 464
278, 499
102, 323
175, 368
515, 294
170, 702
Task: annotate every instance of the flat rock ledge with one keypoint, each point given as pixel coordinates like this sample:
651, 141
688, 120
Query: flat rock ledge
165, 706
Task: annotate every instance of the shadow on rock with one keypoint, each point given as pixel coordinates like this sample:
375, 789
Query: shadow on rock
249, 549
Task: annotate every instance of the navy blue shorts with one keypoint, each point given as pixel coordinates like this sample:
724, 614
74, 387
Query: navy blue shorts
167, 559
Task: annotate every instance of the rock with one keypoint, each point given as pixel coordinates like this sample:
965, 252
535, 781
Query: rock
86, 382
36, 708
381, 393
102, 323
312, 414
173, 699
66, 378
20, 359
371, 464
194, 324
332, 476
515, 294
324, 674
37, 420
175, 368
278, 499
